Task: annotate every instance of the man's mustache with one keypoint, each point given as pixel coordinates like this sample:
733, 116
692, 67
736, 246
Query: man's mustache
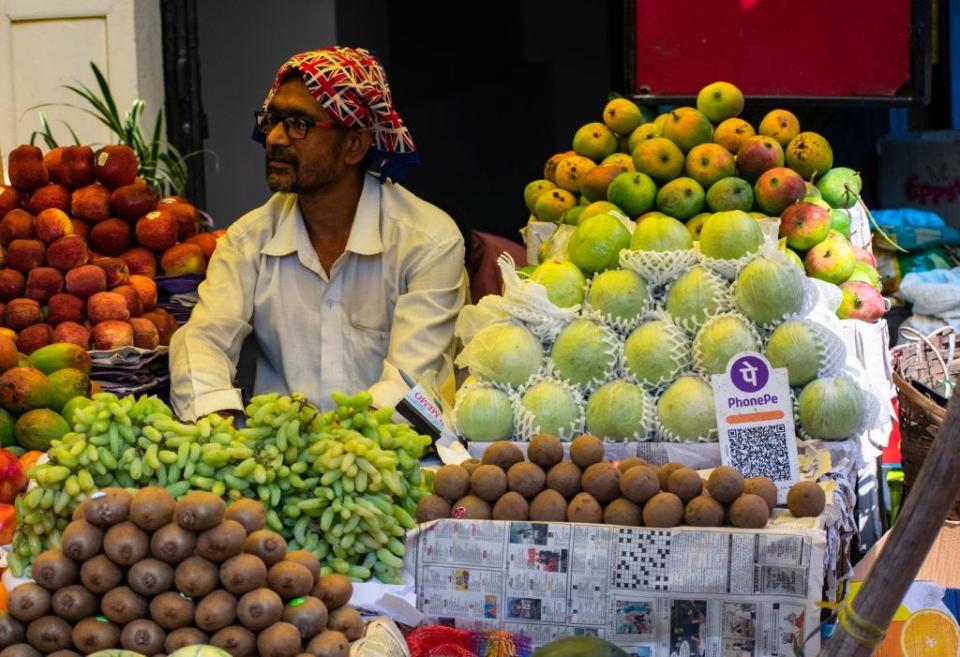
281, 156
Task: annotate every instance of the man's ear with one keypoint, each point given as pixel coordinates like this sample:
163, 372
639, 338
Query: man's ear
357, 144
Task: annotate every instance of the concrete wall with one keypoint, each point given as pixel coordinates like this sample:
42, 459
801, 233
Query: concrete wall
242, 43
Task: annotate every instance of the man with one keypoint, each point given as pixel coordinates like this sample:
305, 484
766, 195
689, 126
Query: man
344, 278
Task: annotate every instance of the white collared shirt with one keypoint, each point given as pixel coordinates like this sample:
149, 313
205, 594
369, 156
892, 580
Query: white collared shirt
389, 303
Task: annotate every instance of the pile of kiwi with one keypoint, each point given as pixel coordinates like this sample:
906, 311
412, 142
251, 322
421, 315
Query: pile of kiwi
589, 489
149, 574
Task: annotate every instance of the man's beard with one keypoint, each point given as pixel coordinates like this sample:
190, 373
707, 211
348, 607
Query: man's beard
301, 180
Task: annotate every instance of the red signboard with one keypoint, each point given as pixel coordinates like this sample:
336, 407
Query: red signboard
836, 48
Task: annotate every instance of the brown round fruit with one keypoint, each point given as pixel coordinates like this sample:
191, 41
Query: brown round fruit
548, 506
143, 636
545, 450
663, 510
53, 570
183, 637
488, 482
725, 484
199, 510
308, 615
236, 640
346, 620
628, 463
100, 575
26, 650
470, 465
432, 507
150, 577
126, 544
602, 480
28, 602
248, 513
216, 611
308, 560
81, 540
73, 603
749, 512
451, 482
329, 644
586, 450
12, 631
289, 579
108, 507
172, 611
269, 546
242, 573
221, 542
622, 511
511, 506
49, 634
258, 609
92, 635
172, 543
333, 590
764, 487
639, 483
470, 507
152, 508
279, 640
526, 478
685, 483
502, 454
704, 511
122, 605
584, 508
664, 472
565, 479
806, 499
196, 577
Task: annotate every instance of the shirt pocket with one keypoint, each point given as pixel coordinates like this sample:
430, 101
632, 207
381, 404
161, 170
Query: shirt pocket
365, 298
365, 351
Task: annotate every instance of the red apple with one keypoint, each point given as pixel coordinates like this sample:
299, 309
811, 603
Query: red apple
165, 323
91, 203
863, 255
12, 284
26, 168
804, 224
16, 225
68, 252
24, 255
145, 335
110, 237
51, 225
86, 281
115, 269
74, 333
206, 241
131, 202
182, 259
33, 337
76, 167
112, 334
81, 228
116, 166
188, 219
43, 283
21, 313
13, 480
157, 230
140, 261
49, 196
65, 308
9, 199
147, 290
104, 306
132, 297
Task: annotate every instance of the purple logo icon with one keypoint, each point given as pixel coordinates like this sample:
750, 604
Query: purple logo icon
749, 373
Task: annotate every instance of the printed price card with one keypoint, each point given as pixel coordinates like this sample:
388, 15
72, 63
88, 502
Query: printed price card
755, 420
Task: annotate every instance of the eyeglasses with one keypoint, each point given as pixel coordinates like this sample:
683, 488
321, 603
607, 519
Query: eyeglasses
294, 127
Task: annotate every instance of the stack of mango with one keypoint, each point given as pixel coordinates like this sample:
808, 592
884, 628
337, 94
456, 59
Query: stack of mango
81, 235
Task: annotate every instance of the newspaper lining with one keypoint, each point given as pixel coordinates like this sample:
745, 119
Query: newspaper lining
675, 592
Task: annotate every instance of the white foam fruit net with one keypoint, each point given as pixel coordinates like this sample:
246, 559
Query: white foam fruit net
656, 352
868, 404
685, 412
483, 412
620, 411
619, 298
727, 268
696, 295
504, 352
658, 267
720, 338
548, 405
586, 353
769, 290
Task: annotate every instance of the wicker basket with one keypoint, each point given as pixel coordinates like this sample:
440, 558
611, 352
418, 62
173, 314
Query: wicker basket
932, 360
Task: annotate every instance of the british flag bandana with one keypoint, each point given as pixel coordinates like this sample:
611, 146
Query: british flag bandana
351, 85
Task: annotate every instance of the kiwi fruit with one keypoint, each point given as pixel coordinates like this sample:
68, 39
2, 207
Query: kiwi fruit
526, 478
248, 513
565, 479
81, 540
196, 577
704, 511
333, 590
221, 542
53, 570
307, 614
242, 573
628, 463
502, 454
126, 544
107, 507
172, 543
73, 603
764, 487
329, 644
269, 546
216, 611
639, 483
451, 482
548, 506
183, 637
664, 472
289, 579
28, 602
100, 575
236, 640
806, 499
622, 511
172, 610
586, 450
663, 510
143, 636
150, 577
432, 507
470, 465
26, 650
749, 512
545, 450
725, 484
346, 620
685, 483
48, 634
602, 480
152, 508
279, 640
122, 605
199, 510
488, 482
511, 506
259, 609
470, 507
308, 560
12, 631
584, 508
93, 635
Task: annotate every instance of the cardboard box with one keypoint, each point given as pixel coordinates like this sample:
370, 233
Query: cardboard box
922, 170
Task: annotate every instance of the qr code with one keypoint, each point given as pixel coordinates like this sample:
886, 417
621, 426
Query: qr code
760, 451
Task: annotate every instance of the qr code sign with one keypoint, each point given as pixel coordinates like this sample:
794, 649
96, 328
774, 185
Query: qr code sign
760, 451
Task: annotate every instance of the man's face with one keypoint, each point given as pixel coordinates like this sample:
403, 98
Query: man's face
303, 165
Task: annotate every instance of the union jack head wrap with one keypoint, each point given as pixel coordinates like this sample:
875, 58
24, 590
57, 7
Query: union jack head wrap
351, 85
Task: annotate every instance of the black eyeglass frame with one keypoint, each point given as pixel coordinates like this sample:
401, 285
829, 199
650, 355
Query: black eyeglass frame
266, 121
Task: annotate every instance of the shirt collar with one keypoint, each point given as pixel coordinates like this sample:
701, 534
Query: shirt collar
364, 239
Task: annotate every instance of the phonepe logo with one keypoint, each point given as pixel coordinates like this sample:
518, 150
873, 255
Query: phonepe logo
749, 374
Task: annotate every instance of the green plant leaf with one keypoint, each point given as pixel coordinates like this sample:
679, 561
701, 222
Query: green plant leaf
105, 91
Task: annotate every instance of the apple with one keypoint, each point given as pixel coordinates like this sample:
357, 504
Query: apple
861, 301
804, 224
